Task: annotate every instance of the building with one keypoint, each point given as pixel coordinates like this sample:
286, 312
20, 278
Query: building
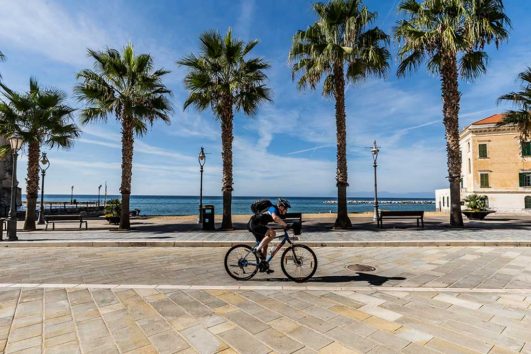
495, 163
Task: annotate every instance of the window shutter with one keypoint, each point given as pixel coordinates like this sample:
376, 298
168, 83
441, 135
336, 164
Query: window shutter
522, 179
526, 148
483, 150
484, 180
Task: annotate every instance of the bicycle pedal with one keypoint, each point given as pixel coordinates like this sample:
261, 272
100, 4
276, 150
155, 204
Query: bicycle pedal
269, 271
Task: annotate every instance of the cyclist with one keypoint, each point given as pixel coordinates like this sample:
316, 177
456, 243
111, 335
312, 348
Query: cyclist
263, 233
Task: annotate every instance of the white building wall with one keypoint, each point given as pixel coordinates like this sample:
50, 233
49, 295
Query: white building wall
442, 199
507, 202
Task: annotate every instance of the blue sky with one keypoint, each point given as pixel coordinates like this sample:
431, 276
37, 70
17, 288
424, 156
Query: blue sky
288, 148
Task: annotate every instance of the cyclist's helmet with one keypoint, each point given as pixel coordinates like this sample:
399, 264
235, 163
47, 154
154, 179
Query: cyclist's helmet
284, 203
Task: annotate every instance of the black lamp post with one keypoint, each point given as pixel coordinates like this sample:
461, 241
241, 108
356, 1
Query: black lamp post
16, 143
44, 164
202, 160
99, 189
71, 194
375, 150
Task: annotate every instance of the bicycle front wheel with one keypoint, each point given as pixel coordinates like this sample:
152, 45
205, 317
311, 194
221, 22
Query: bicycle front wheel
299, 263
241, 262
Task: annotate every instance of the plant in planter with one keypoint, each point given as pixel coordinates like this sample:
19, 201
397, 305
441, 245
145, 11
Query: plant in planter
476, 207
113, 211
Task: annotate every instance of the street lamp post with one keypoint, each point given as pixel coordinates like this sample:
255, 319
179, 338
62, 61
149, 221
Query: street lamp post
202, 160
71, 194
44, 164
16, 143
375, 150
99, 189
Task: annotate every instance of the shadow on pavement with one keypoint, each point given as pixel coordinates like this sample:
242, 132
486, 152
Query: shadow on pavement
372, 279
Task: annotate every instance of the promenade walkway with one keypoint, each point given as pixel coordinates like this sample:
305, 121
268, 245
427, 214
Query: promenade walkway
474, 298
168, 300
495, 231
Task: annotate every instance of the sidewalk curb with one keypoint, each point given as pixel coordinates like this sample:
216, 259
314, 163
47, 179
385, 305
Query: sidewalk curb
165, 243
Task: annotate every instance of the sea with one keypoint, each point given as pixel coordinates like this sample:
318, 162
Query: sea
189, 205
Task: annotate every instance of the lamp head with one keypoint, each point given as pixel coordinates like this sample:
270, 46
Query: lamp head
16, 142
202, 157
45, 163
375, 149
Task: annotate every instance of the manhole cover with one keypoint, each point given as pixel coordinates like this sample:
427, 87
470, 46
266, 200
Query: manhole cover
360, 268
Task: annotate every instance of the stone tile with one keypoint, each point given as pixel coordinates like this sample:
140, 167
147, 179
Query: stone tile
336, 348
129, 338
250, 323
348, 338
13, 346
202, 340
447, 347
64, 348
91, 329
279, 341
168, 342
243, 342
60, 339
310, 338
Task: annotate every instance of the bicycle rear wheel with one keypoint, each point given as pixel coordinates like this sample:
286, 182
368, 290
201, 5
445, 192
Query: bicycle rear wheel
241, 262
299, 263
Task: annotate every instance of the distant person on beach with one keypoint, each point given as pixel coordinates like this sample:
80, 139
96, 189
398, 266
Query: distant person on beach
258, 225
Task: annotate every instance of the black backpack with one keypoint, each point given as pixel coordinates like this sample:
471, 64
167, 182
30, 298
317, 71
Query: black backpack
260, 206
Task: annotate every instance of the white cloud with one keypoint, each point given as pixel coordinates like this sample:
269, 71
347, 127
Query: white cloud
245, 19
47, 28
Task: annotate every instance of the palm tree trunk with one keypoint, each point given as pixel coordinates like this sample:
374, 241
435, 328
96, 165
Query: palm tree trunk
450, 94
342, 220
226, 155
127, 170
32, 186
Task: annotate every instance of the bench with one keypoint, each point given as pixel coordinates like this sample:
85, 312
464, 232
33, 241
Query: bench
52, 219
402, 214
292, 217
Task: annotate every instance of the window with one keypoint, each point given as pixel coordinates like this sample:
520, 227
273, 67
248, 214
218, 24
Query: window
469, 166
525, 179
484, 180
526, 148
468, 146
527, 202
483, 151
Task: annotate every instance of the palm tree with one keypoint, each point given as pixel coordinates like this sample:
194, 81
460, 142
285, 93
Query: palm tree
224, 80
451, 35
521, 99
124, 86
41, 117
340, 47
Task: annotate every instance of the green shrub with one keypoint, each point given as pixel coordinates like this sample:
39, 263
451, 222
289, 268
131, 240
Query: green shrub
476, 202
113, 208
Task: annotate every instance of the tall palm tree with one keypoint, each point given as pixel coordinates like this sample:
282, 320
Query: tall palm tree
124, 86
41, 118
451, 35
341, 47
224, 80
522, 99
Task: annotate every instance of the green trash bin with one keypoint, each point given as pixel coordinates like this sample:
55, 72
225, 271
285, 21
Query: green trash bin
208, 217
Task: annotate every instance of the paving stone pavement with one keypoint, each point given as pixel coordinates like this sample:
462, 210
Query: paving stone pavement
180, 300
501, 228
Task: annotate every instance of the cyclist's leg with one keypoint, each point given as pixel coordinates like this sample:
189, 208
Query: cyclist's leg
268, 237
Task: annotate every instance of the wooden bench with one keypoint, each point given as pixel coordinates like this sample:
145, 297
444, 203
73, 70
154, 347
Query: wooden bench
401, 214
292, 217
52, 219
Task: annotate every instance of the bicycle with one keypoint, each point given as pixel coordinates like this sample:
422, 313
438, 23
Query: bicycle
298, 262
